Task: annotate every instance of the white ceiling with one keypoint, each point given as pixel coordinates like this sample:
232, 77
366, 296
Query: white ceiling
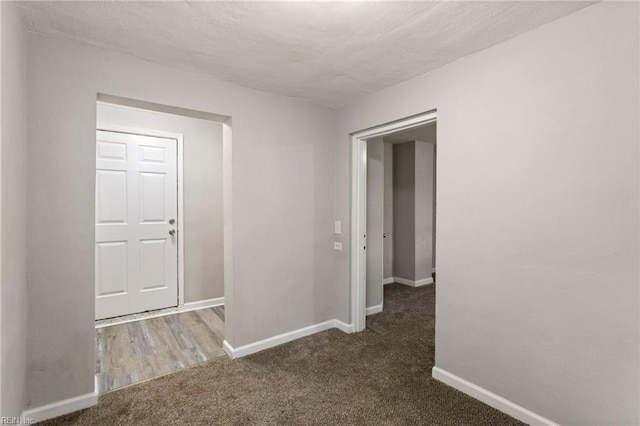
327, 52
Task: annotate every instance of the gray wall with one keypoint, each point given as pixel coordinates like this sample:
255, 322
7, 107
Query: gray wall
388, 211
282, 204
404, 210
525, 240
13, 140
203, 245
538, 217
424, 190
413, 187
375, 221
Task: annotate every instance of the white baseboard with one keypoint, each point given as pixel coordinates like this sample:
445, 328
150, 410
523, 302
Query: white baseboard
426, 281
343, 326
227, 348
374, 310
201, 304
411, 283
189, 306
490, 398
60, 408
271, 342
387, 281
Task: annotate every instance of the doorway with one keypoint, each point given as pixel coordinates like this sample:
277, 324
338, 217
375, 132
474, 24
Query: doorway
359, 235
162, 194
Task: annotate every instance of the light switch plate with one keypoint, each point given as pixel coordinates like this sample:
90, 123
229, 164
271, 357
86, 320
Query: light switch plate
337, 227
337, 246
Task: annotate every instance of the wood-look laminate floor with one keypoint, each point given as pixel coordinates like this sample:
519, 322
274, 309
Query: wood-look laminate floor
140, 350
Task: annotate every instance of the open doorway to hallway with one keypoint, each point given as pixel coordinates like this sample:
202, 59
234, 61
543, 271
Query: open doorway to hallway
159, 280
361, 242
401, 189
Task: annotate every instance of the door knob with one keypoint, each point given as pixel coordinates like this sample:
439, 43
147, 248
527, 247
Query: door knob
172, 231
172, 221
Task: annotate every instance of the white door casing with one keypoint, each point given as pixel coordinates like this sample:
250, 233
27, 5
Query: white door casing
136, 197
358, 281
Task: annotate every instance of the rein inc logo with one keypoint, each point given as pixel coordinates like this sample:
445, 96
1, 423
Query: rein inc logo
16, 421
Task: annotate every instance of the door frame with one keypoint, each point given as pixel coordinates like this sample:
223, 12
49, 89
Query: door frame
180, 183
358, 279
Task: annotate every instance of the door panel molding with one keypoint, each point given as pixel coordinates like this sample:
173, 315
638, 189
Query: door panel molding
136, 197
180, 223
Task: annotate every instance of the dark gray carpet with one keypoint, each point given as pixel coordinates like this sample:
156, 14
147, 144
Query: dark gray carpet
380, 376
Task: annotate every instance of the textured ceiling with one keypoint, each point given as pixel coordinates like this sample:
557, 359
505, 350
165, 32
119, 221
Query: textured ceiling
327, 52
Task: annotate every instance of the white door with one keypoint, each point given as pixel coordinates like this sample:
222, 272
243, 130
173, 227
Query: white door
136, 214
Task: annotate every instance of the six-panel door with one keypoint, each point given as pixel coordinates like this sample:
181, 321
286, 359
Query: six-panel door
136, 198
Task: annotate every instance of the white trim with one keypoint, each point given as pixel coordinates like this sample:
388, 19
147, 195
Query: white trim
407, 123
358, 230
180, 183
412, 283
66, 406
343, 326
227, 224
276, 340
228, 349
359, 207
374, 310
189, 306
490, 398
433, 270
180, 221
201, 304
426, 281
280, 339
388, 280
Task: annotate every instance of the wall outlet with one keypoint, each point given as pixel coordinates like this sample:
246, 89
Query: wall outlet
337, 227
337, 246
